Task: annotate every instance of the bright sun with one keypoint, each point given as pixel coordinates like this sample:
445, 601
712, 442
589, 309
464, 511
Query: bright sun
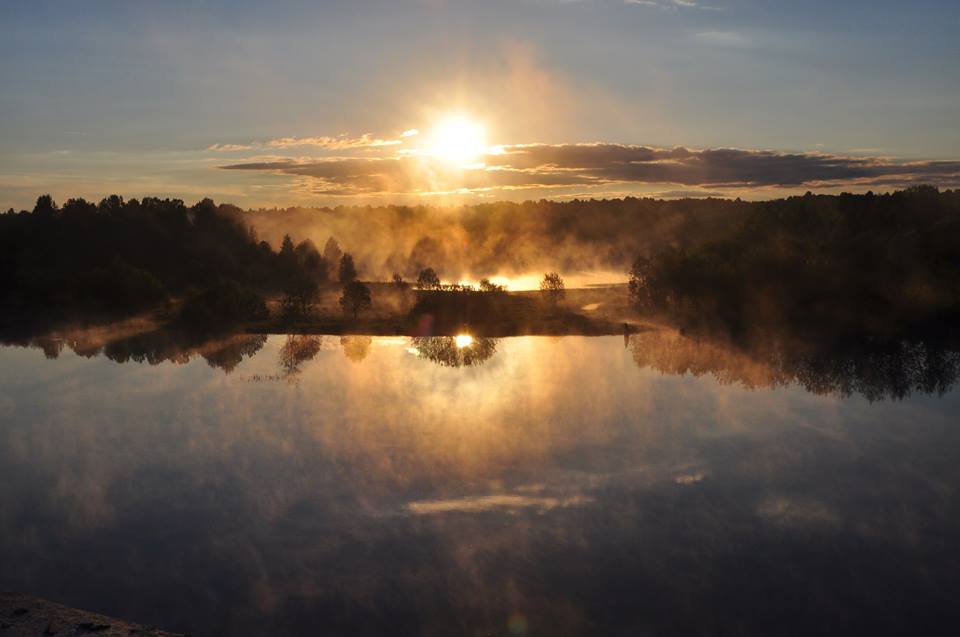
458, 139
463, 340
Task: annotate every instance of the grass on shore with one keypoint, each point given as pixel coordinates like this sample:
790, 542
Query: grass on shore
586, 311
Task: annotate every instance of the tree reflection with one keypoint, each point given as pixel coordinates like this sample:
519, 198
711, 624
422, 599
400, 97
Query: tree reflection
875, 368
296, 350
229, 352
51, 347
163, 346
125, 343
356, 348
445, 351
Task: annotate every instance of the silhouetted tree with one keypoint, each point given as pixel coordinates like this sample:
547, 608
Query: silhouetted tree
332, 252
552, 289
640, 287
428, 279
348, 272
355, 298
123, 286
487, 286
221, 306
310, 260
45, 207
399, 283
288, 253
300, 293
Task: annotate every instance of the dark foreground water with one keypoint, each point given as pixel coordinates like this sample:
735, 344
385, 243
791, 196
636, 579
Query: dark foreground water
523, 486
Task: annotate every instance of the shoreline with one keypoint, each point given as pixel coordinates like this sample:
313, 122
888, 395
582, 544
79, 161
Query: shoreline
24, 615
595, 311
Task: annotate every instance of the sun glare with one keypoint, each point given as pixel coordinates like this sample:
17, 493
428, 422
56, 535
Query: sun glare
463, 340
458, 139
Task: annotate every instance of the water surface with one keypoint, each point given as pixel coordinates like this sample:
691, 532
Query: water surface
542, 486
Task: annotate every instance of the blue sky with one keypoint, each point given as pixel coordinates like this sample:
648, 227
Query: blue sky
128, 96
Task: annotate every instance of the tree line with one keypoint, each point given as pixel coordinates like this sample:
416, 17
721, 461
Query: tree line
858, 260
121, 256
863, 262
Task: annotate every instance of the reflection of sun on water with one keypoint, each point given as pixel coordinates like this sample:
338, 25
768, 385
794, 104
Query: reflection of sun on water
463, 340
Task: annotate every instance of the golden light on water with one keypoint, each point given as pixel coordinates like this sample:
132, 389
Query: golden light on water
463, 340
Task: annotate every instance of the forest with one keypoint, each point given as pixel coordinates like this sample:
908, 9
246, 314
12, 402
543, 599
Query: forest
119, 257
862, 261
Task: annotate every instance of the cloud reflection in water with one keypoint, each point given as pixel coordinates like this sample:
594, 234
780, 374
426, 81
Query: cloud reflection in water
558, 481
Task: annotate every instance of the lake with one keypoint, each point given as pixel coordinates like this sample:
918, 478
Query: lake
519, 486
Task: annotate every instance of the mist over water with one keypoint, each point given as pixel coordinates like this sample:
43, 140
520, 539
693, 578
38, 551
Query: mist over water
537, 485
590, 242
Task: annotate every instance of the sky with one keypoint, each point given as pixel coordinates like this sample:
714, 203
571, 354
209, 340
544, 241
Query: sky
434, 101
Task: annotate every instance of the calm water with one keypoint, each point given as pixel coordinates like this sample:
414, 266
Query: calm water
523, 486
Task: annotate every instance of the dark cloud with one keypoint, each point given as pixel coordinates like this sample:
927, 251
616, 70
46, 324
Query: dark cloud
681, 194
546, 166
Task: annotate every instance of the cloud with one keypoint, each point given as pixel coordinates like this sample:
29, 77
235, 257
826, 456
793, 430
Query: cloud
722, 38
229, 147
573, 165
326, 142
333, 143
673, 4
686, 194
484, 503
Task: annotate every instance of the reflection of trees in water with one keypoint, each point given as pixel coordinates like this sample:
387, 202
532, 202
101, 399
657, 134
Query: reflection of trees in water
152, 347
227, 353
670, 352
296, 350
443, 350
874, 368
356, 348
165, 346
51, 346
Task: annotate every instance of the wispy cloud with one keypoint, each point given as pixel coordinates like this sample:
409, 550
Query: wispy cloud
326, 142
483, 503
333, 143
577, 165
673, 4
230, 148
722, 38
